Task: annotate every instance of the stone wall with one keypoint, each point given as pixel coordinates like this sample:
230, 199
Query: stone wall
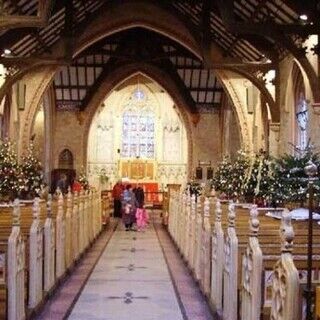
207, 139
68, 134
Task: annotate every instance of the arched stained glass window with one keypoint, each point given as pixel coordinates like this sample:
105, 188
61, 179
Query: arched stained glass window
302, 121
138, 134
301, 111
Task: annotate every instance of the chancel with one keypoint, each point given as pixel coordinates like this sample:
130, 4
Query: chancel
159, 159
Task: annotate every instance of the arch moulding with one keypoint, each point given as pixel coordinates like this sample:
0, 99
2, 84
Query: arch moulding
118, 76
39, 81
245, 134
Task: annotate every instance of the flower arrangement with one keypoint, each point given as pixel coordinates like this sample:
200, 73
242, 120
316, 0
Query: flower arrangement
83, 180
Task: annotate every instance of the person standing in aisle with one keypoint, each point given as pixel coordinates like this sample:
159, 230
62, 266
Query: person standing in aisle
116, 194
128, 208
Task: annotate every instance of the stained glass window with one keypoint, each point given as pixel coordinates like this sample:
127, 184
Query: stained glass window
138, 134
302, 121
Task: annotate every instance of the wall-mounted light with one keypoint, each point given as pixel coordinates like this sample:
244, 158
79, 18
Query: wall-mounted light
6, 53
303, 17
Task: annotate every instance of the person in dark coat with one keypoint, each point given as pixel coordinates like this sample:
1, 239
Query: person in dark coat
128, 207
116, 194
63, 183
139, 197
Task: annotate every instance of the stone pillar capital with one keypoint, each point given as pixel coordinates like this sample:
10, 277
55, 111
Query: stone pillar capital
316, 108
274, 126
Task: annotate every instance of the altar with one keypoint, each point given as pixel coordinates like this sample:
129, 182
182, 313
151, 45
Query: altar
141, 173
137, 169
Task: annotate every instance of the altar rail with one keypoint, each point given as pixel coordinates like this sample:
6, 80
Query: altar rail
39, 243
231, 258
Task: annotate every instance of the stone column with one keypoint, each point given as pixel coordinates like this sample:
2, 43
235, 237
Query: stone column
274, 138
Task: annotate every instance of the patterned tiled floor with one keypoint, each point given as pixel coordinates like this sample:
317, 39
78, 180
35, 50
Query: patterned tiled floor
130, 281
131, 275
63, 298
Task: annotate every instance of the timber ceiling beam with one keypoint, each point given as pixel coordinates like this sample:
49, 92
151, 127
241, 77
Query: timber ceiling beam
206, 34
276, 32
226, 8
67, 33
20, 21
28, 61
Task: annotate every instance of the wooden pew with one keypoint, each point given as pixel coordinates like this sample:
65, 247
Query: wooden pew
270, 243
90, 205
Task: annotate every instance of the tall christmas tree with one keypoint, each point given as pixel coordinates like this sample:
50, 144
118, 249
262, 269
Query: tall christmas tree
11, 178
32, 172
222, 177
239, 174
261, 185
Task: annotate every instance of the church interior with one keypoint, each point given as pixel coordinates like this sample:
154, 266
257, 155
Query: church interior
192, 124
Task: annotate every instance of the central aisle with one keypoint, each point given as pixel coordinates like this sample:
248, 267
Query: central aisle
130, 281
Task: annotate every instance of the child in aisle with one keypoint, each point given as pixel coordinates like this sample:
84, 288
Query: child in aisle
142, 218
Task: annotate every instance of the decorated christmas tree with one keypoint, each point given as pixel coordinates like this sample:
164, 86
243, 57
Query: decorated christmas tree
250, 184
11, 178
32, 172
222, 178
261, 185
293, 179
239, 174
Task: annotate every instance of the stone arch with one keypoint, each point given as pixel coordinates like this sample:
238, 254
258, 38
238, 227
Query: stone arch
41, 79
274, 109
119, 76
245, 134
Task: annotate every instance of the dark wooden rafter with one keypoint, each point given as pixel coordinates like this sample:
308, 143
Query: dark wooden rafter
11, 21
206, 34
257, 9
207, 85
244, 29
67, 32
41, 44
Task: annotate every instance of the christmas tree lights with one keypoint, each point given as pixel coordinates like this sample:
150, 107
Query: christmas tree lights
32, 171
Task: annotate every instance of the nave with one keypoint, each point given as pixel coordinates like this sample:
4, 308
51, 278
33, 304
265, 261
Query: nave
140, 275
